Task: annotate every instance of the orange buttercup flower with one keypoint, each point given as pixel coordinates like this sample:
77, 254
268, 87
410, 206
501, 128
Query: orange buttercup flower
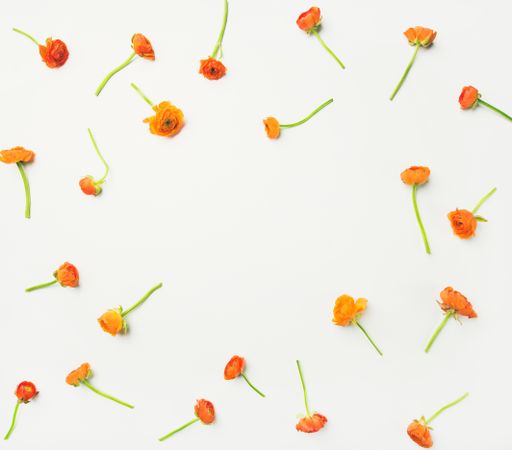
67, 275
205, 411
420, 36
346, 310
54, 53
311, 424
212, 69
309, 19
453, 300
26, 391
112, 322
77, 376
234, 367
17, 154
468, 98
463, 223
415, 175
142, 46
168, 121
272, 127
89, 186
420, 433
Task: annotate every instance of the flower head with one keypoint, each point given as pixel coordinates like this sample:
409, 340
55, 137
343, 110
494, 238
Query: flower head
453, 300
463, 223
468, 98
420, 35
419, 432
346, 310
89, 186
415, 175
54, 53
76, 376
142, 46
272, 127
234, 367
311, 424
212, 69
16, 154
26, 391
112, 322
67, 275
168, 121
310, 20
205, 411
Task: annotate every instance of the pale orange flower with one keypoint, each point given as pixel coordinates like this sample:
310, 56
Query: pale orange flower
168, 121
453, 300
67, 275
346, 310
16, 154
76, 376
415, 175
420, 36
420, 433
112, 322
463, 223
272, 127
311, 424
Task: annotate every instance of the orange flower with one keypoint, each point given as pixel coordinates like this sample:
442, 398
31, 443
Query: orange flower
272, 127
310, 19
455, 301
234, 367
142, 46
54, 54
415, 175
168, 121
346, 310
26, 391
468, 98
463, 223
420, 35
112, 322
67, 275
311, 424
212, 68
205, 411
16, 154
89, 186
419, 432
75, 377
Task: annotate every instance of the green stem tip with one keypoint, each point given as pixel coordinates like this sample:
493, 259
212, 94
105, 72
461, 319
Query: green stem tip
369, 338
324, 45
445, 407
418, 219
407, 69
130, 59
13, 421
168, 435
254, 388
483, 199
303, 388
103, 394
142, 300
218, 44
40, 286
28, 201
17, 30
102, 179
493, 108
300, 122
438, 330
147, 100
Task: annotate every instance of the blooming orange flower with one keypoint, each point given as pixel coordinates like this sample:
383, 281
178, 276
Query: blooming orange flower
463, 223
17, 154
346, 310
272, 127
420, 36
142, 46
54, 53
311, 424
168, 121
76, 376
455, 301
26, 391
415, 175
309, 19
234, 368
468, 98
212, 69
205, 411
67, 275
420, 433
112, 322
89, 186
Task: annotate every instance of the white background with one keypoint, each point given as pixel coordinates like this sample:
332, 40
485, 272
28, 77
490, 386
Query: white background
254, 239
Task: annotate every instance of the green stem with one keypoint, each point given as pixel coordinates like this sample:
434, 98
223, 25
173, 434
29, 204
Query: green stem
147, 100
444, 408
97, 391
102, 179
27, 188
300, 122
40, 286
252, 385
113, 72
418, 218
218, 45
439, 328
13, 421
499, 111
324, 45
481, 202
142, 300
399, 85
303, 388
27, 35
163, 438
369, 338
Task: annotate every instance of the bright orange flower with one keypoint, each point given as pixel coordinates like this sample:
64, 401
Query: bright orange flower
205, 411
112, 322
468, 98
234, 367
67, 275
89, 186
420, 35
16, 154
310, 19
55, 53
455, 301
272, 127
212, 69
463, 223
415, 175
26, 391
168, 121
346, 310
142, 46
76, 376
419, 432
311, 424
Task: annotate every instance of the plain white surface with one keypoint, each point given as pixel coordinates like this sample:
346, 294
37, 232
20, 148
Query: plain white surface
254, 239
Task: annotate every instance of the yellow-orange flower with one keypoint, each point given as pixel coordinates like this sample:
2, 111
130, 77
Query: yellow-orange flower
112, 322
168, 121
272, 127
16, 154
420, 35
415, 175
76, 376
67, 275
346, 310
463, 223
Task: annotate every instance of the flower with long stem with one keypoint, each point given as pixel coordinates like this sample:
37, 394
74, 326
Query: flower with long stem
66, 275
235, 368
273, 127
211, 68
204, 412
81, 376
141, 47
311, 423
88, 184
25, 392
470, 98
419, 431
114, 322
416, 176
418, 37
347, 312
453, 304
464, 222
54, 53
310, 22
20, 156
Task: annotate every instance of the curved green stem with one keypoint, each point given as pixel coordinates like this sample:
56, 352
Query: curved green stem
163, 438
300, 122
97, 391
324, 45
444, 408
404, 76
369, 338
499, 111
113, 72
418, 218
303, 388
147, 100
13, 421
102, 179
484, 198
142, 300
27, 188
252, 385
439, 328
218, 44
40, 286
26, 35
